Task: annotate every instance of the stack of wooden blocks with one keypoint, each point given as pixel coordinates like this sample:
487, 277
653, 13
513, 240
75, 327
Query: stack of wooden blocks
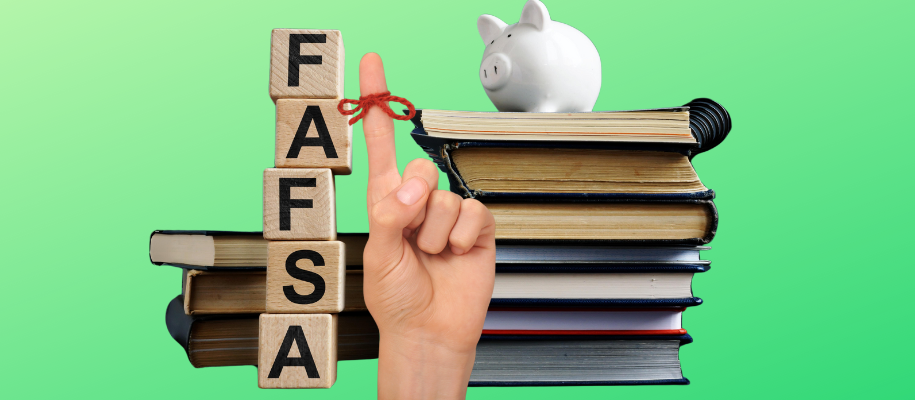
306, 267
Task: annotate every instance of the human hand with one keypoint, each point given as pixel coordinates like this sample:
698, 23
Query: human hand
429, 265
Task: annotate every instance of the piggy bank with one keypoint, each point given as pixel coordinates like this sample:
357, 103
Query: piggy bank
538, 64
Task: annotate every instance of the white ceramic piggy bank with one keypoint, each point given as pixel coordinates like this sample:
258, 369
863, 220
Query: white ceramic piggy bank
538, 64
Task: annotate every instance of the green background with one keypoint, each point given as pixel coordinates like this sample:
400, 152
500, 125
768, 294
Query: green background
119, 118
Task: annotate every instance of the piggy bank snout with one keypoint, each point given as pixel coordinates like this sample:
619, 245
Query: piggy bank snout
495, 71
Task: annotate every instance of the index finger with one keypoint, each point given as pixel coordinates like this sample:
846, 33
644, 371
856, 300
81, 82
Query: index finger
377, 126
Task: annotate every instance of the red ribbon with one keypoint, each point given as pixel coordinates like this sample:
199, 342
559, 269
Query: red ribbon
377, 99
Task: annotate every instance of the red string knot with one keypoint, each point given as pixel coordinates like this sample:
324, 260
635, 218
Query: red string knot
377, 99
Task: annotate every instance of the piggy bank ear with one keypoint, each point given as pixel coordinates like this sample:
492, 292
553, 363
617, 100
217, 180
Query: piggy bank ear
490, 27
535, 13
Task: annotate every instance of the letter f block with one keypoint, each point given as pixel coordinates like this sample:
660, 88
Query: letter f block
299, 204
306, 64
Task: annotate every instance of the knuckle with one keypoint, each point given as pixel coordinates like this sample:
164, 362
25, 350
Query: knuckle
418, 163
375, 131
422, 164
429, 245
442, 199
421, 167
461, 239
473, 208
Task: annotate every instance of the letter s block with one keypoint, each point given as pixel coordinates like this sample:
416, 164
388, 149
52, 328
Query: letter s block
313, 134
299, 204
297, 351
306, 64
305, 277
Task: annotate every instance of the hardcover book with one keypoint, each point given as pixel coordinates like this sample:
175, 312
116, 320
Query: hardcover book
226, 340
228, 250
583, 360
245, 292
496, 164
583, 321
595, 285
605, 221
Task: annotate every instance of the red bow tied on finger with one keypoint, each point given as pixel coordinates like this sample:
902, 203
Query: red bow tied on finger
377, 99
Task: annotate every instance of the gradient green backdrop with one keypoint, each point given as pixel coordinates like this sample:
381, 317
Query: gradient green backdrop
119, 118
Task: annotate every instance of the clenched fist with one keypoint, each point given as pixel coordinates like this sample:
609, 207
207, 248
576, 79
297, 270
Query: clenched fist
429, 266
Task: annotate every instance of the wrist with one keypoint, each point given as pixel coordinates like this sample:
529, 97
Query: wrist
410, 368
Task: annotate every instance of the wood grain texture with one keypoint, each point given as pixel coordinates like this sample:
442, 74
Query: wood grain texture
319, 332
311, 214
305, 277
315, 80
328, 135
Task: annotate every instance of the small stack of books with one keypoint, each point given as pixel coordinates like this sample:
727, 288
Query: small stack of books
600, 218
224, 291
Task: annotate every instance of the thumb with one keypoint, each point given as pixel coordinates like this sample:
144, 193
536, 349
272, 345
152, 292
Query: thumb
391, 215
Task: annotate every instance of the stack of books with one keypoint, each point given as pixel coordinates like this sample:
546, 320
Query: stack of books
224, 291
600, 220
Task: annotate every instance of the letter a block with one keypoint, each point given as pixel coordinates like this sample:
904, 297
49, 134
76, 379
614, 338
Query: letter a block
297, 351
306, 64
313, 134
305, 277
299, 204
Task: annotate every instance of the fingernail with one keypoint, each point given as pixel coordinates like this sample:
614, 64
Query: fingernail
456, 251
411, 192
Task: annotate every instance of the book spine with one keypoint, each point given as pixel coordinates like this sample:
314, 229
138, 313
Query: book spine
177, 322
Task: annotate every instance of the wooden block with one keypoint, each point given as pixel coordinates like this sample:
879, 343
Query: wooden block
313, 134
297, 351
305, 277
299, 204
306, 64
